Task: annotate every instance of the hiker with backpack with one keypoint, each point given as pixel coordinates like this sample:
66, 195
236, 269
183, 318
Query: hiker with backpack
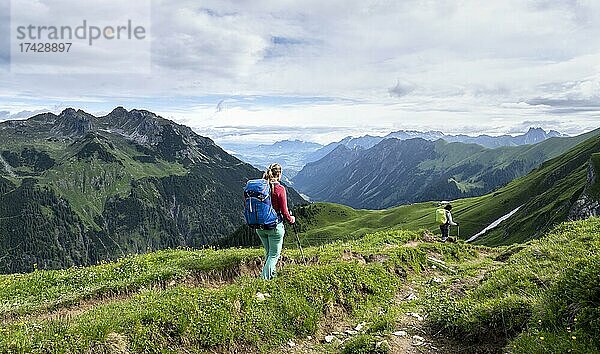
265, 210
444, 218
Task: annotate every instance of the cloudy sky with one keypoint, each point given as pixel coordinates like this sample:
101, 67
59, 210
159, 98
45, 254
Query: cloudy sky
320, 70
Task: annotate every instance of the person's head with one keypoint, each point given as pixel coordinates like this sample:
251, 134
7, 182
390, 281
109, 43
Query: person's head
448, 207
273, 173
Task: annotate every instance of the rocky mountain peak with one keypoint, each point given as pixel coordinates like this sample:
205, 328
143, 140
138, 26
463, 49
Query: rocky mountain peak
534, 135
118, 111
533, 130
71, 113
173, 141
73, 123
141, 126
554, 133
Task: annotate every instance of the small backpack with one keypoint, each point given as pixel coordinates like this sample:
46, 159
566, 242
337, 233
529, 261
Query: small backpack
440, 216
258, 210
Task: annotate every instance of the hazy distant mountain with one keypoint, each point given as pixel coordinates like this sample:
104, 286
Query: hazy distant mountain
76, 189
290, 145
291, 154
395, 172
533, 136
412, 134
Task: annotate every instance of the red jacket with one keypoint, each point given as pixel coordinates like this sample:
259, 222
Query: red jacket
279, 201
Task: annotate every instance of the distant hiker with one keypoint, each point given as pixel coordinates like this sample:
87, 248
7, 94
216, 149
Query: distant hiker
444, 218
265, 209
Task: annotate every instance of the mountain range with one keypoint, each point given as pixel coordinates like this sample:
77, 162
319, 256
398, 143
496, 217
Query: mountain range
76, 189
532, 136
395, 172
295, 154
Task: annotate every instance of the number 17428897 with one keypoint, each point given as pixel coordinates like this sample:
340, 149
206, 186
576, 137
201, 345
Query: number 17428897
44, 47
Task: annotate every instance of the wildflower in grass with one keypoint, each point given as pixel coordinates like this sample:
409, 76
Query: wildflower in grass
574, 337
541, 338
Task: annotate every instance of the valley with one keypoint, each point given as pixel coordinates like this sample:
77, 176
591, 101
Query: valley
396, 172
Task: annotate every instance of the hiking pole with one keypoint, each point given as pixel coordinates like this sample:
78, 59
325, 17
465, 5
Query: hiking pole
298, 240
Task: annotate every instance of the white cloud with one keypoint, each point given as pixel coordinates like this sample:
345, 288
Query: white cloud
385, 64
402, 88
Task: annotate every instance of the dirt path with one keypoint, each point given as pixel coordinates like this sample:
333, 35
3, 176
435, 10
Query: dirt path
410, 335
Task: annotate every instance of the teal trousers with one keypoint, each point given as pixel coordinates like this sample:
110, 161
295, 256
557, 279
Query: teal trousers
272, 241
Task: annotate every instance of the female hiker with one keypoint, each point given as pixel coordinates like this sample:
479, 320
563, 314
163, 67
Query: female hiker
447, 222
272, 240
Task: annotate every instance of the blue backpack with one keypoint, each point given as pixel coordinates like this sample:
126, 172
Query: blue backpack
258, 211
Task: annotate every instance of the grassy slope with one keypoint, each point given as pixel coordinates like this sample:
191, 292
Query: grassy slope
546, 194
485, 298
87, 184
224, 317
321, 223
545, 296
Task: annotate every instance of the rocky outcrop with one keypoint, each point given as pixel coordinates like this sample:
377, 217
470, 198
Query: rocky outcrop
72, 123
587, 205
140, 126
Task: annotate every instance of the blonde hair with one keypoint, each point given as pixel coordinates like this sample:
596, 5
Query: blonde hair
273, 173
